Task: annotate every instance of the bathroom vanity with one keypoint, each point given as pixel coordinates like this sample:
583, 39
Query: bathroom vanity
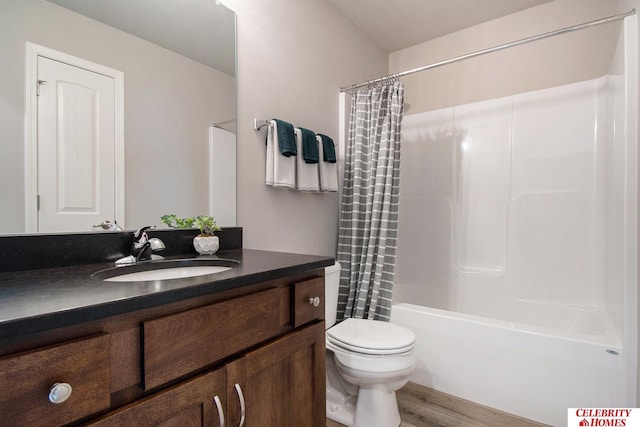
241, 347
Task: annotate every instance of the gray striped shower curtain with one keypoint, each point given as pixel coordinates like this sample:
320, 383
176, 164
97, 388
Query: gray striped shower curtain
368, 225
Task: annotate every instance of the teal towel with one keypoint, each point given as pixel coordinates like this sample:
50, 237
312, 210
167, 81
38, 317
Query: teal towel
286, 138
309, 146
328, 149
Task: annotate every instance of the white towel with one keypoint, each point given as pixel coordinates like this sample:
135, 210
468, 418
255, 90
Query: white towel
281, 170
307, 178
270, 144
328, 171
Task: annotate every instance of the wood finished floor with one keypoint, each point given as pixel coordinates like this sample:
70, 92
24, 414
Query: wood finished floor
423, 407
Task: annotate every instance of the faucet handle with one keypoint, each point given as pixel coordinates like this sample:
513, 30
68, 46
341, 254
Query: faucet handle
108, 225
142, 246
140, 233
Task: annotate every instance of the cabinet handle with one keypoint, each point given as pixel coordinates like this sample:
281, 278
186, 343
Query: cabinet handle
216, 400
242, 407
60, 392
315, 301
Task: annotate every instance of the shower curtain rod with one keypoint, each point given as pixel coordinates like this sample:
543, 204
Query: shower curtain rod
396, 76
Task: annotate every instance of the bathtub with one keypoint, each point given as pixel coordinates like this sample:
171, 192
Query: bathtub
572, 359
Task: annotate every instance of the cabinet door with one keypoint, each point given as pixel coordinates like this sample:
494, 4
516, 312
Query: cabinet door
281, 384
195, 403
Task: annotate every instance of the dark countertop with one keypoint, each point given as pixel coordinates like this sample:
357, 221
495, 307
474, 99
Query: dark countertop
38, 300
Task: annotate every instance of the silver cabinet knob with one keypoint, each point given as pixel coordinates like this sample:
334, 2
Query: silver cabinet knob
60, 392
315, 301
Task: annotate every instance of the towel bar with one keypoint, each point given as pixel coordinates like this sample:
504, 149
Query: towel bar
259, 124
217, 124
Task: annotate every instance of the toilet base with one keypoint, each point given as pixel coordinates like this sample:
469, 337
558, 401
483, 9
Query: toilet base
376, 407
343, 414
352, 400
365, 406
341, 396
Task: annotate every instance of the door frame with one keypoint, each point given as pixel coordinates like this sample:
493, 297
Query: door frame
31, 129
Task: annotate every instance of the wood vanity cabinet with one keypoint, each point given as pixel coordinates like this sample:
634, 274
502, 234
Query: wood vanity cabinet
253, 356
274, 385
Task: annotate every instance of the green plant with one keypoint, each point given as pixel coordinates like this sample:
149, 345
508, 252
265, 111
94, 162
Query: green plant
207, 224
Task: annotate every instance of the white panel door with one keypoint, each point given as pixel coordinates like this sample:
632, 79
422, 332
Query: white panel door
76, 147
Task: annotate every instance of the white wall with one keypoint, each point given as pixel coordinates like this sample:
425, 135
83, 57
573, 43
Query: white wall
293, 56
170, 101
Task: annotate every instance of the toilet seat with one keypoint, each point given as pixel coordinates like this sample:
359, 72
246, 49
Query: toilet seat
368, 351
371, 337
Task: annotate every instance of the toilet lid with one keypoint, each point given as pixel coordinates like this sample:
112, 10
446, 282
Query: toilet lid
371, 336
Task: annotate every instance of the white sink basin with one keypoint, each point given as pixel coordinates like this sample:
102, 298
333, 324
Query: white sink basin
167, 273
165, 270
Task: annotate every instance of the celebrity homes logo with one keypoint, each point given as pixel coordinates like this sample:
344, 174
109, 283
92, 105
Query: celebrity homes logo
603, 417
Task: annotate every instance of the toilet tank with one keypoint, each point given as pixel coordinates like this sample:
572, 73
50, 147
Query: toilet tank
331, 288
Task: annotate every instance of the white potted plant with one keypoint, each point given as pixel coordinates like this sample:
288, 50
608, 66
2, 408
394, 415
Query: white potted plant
205, 243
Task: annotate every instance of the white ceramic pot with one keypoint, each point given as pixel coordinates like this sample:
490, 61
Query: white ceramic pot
206, 245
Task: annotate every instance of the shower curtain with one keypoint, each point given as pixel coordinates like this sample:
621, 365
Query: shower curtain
369, 207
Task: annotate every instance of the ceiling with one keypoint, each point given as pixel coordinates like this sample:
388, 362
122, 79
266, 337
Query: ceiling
391, 24
202, 30
398, 24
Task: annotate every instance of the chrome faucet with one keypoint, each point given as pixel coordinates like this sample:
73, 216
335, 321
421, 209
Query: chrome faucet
142, 247
108, 226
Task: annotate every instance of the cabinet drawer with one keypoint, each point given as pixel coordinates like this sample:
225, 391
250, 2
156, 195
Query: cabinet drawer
182, 343
83, 364
188, 404
308, 301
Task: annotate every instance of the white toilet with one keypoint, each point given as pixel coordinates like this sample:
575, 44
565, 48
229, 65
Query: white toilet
367, 361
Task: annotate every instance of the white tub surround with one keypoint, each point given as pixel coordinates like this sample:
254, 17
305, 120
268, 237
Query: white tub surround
517, 245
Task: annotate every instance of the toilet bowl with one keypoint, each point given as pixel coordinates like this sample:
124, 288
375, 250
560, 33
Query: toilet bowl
367, 361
